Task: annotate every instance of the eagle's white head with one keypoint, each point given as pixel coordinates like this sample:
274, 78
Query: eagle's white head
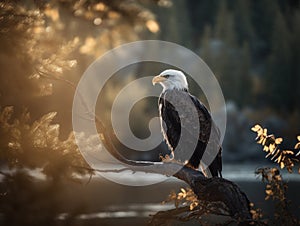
171, 79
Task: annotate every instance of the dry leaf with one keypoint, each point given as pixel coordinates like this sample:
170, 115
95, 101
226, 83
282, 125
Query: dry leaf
256, 128
278, 140
281, 165
152, 26
269, 192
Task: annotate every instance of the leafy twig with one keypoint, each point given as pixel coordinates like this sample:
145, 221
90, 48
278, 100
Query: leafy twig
271, 145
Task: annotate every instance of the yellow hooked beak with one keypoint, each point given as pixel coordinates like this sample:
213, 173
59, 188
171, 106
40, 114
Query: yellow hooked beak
158, 79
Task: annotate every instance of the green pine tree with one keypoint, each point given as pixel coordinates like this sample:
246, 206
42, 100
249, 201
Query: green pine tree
279, 77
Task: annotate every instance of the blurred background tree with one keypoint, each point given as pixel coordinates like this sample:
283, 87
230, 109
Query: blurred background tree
41, 43
251, 46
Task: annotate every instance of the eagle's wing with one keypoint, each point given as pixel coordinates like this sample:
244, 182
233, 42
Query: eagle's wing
210, 134
190, 105
180, 120
179, 115
207, 125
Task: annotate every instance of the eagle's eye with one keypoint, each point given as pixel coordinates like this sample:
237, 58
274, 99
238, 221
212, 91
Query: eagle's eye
166, 76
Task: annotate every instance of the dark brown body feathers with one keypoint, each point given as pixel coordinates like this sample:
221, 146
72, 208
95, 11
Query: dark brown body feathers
200, 144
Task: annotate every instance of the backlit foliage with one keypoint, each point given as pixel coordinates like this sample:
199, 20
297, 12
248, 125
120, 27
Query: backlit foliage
186, 197
37, 146
40, 41
275, 186
45, 46
35, 38
35, 162
48, 35
111, 13
276, 190
190, 209
271, 145
256, 213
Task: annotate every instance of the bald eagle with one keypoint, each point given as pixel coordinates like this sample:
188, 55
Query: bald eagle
176, 107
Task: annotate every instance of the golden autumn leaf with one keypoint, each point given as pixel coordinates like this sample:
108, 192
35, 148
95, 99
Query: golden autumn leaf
272, 147
256, 128
269, 192
152, 26
278, 140
279, 159
260, 133
262, 140
297, 146
265, 132
193, 205
182, 194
